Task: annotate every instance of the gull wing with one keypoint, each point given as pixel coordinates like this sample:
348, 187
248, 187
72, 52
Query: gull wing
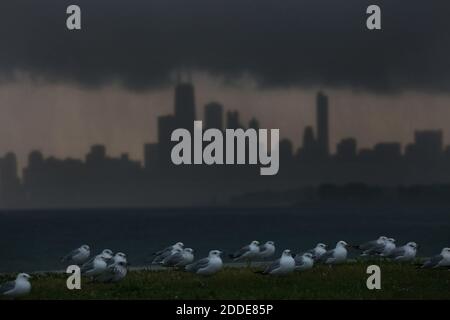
8, 286
326, 256
173, 259
433, 261
70, 255
273, 266
200, 264
241, 252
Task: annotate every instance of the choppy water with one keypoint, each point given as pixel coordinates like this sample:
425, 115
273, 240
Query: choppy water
35, 240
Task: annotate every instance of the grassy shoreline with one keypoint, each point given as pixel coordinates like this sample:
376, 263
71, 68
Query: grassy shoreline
398, 281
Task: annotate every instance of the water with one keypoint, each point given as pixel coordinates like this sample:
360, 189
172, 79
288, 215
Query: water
35, 240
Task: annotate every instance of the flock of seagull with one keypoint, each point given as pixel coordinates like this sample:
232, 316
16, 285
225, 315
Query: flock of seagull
109, 267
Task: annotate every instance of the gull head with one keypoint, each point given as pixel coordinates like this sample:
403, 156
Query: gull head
107, 254
179, 244
189, 250
383, 238
321, 245
23, 276
307, 255
85, 247
121, 254
342, 244
412, 245
215, 253
255, 243
271, 243
391, 240
287, 252
445, 251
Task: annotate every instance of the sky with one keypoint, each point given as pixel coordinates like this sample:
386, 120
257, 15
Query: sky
62, 91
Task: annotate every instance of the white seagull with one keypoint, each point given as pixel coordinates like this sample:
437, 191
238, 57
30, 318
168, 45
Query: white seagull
304, 262
119, 257
180, 258
207, 266
336, 255
284, 265
248, 252
19, 287
440, 260
114, 272
266, 250
98, 264
78, 256
164, 253
389, 246
404, 253
372, 247
318, 251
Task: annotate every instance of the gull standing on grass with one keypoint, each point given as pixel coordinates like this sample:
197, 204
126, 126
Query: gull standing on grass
116, 269
404, 253
440, 260
114, 272
304, 261
248, 253
389, 246
19, 287
207, 266
284, 265
336, 255
98, 264
372, 247
266, 250
179, 258
78, 256
164, 253
318, 251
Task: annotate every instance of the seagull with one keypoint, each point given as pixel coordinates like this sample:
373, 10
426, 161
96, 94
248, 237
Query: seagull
19, 287
284, 265
404, 253
440, 260
118, 257
389, 246
164, 253
318, 251
266, 250
98, 264
336, 255
372, 247
248, 252
79, 255
114, 272
304, 262
180, 258
207, 266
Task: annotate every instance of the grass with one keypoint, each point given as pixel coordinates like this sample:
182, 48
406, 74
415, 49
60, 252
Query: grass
341, 282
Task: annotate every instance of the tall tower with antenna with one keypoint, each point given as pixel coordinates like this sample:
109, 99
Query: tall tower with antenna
184, 102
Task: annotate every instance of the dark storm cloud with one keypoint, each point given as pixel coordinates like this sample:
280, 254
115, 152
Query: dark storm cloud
279, 42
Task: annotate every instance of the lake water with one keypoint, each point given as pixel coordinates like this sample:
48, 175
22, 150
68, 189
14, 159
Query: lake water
35, 240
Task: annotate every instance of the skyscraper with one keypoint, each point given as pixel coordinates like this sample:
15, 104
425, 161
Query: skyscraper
184, 105
166, 125
214, 116
322, 124
233, 120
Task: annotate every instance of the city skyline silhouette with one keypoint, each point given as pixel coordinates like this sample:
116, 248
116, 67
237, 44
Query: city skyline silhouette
425, 161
